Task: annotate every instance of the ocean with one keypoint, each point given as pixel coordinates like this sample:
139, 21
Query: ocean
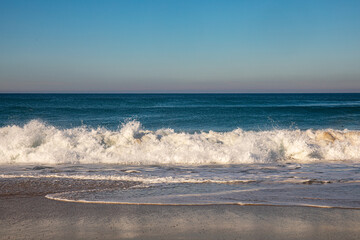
187, 149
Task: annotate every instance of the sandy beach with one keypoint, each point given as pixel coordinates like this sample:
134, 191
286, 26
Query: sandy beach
31, 216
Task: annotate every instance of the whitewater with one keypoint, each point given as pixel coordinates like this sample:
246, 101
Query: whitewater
39, 143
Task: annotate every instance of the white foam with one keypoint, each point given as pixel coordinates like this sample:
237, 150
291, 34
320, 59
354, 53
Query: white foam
39, 143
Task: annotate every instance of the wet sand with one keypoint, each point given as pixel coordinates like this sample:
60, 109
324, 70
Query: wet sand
32, 216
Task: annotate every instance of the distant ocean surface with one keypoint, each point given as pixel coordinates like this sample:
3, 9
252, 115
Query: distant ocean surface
275, 149
185, 112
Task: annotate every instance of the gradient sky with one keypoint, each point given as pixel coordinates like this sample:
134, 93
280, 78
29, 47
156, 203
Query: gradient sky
180, 46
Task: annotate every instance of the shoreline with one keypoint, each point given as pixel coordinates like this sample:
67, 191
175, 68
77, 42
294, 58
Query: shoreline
47, 187
31, 215
36, 217
196, 204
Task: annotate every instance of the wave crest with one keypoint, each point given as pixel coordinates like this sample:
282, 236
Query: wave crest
37, 142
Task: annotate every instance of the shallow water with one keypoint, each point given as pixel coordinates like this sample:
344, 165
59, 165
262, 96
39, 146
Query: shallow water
312, 184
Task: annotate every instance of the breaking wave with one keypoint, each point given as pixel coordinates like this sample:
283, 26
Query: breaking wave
39, 143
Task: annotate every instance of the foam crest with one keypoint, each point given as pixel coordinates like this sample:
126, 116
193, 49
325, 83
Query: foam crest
39, 143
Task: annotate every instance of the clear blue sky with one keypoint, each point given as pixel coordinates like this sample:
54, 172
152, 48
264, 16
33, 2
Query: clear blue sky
180, 46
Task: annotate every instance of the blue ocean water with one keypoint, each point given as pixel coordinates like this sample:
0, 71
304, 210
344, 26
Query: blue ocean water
185, 112
283, 149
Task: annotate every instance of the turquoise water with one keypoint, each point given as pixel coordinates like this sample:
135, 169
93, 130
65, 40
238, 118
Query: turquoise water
283, 149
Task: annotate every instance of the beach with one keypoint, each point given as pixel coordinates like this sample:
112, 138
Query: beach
27, 214
35, 217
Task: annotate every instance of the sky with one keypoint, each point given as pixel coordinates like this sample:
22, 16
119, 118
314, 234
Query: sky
180, 46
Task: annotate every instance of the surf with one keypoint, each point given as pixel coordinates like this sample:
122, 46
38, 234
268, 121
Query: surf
39, 143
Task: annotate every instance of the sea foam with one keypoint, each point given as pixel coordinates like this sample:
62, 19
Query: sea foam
40, 143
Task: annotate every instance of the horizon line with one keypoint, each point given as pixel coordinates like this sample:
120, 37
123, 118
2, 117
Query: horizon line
357, 92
